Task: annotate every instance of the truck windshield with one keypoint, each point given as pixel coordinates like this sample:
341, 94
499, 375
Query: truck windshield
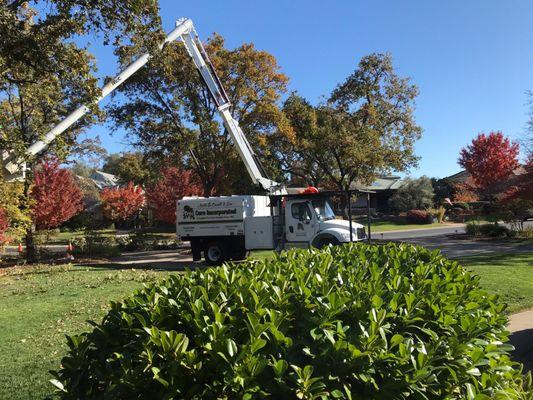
323, 210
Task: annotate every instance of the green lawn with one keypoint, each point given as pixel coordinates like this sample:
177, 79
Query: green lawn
66, 237
508, 275
39, 305
38, 308
386, 226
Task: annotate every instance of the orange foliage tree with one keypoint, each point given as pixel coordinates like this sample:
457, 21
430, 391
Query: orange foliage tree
174, 184
119, 204
4, 225
490, 159
465, 192
56, 196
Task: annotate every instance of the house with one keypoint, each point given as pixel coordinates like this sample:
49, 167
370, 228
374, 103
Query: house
91, 188
382, 189
516, 177
103, 180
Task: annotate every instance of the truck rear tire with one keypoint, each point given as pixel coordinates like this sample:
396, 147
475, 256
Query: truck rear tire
215, 252
239, 254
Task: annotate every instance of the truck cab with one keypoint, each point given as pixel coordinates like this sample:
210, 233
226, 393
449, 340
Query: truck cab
310, 222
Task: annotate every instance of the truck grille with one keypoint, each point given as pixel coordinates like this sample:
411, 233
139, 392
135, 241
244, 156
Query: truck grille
361, 234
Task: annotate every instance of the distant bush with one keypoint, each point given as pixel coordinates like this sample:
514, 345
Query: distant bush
141, 241
474, 228
353, 321
94, 243
418, 217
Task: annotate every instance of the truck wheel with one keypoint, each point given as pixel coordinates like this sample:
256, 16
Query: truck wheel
214, 253
326, 242
239, 254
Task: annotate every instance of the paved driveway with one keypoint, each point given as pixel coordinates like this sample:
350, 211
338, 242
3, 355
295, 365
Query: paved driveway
457, 245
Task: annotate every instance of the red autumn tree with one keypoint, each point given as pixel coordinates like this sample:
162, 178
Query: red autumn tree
490, 159
119, 204
465, 192
56, 196
174, 184
4, 225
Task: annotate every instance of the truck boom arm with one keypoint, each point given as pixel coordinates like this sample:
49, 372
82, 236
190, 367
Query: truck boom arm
184, 31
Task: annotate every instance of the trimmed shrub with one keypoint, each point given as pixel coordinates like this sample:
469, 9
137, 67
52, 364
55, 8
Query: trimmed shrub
418, 217
493, 230
473, 228
347, 322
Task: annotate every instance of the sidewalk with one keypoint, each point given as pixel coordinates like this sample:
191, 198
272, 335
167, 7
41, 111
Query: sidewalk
521, 327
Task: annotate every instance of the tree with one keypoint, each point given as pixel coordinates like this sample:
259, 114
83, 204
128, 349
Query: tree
56, 196
171, 116
174, 184
516, 202
4, 226
414, 194
528, 139
465, 192
79, 168
44, 75
366, 128
489, 159
443, 189
17, 208
30, 30
119, 204
129, 167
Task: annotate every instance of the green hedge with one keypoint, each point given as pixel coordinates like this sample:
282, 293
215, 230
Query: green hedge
347, 322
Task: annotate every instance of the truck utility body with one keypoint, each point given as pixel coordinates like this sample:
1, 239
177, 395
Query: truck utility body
225, 228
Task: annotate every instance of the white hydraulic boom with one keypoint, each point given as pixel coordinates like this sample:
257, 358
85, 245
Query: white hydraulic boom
184, 31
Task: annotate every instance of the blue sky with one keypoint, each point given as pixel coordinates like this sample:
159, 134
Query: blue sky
472, 60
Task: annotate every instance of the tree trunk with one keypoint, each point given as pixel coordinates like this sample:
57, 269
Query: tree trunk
31, 250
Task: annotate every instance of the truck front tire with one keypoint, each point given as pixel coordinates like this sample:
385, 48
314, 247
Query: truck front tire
215, 252
326, 241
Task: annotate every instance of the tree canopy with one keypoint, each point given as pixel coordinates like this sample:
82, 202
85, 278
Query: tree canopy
489, 159
128, 166
172, 118
174, 184
57, 197
119, 204
366, 127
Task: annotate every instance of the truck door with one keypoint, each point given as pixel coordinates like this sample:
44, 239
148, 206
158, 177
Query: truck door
301, 223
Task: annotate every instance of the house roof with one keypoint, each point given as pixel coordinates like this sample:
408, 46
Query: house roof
104, 180
382, 183
462, 176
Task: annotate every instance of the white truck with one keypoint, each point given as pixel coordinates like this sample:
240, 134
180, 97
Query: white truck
226, 227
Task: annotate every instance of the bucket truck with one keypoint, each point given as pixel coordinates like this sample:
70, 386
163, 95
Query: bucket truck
227, 227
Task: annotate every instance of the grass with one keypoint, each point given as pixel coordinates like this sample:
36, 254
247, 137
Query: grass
66, 237
387, 226
39, 305
508, 275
